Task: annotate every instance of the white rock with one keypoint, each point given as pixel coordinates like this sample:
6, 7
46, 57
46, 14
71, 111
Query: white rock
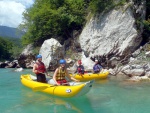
87, 63
19, 69
48, 50
28, 50
113, 30
147, 74
147, 53
134, 72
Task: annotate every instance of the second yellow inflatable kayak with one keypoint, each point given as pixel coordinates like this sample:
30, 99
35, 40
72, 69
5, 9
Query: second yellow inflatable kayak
91, 76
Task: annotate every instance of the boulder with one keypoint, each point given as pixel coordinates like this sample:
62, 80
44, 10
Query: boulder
51, 51
27, 57
113, 34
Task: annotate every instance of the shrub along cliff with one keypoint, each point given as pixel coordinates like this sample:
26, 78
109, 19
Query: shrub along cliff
10, 48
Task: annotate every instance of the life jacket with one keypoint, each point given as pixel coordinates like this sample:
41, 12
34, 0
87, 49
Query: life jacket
80, 69
41, 67
61, 74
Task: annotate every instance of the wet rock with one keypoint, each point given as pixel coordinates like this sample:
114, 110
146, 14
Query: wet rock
3, 64
27, 57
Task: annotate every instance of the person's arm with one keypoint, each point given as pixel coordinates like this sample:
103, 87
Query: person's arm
94, 68
46, 71
100, 66
34, 68
71, 78
54, 77
82, 68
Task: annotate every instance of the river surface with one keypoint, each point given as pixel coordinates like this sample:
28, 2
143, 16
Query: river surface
106, 96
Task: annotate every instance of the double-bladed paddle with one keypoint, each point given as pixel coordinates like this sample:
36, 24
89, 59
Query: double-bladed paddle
40, 88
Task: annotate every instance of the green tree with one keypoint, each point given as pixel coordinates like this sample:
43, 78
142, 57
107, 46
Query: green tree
52, 18
10, 48
146, 22
5, 46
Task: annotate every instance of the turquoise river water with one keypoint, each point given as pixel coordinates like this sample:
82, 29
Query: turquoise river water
107, 96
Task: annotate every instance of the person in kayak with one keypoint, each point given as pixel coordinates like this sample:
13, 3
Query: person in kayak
97, 67
40, 70
80, 68
61, 73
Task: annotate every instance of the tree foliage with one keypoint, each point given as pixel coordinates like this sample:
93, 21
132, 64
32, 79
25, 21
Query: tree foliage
5, 46
10, 48
100, 5
146, 22
52, 18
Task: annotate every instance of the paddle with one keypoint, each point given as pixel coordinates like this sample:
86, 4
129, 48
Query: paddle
40, 88
73, 75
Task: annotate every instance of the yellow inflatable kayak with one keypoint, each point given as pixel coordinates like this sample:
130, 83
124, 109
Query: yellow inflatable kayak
90, 76
75, 89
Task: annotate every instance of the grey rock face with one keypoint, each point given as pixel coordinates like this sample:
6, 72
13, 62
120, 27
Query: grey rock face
115, 30
27, 57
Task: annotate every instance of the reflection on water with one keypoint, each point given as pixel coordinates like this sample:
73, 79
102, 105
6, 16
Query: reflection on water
55, 104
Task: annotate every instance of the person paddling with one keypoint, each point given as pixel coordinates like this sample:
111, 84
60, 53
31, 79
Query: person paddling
61, 73
40, 70
80, 68
97, 67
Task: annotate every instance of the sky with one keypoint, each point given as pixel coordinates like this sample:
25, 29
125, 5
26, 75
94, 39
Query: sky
11, 11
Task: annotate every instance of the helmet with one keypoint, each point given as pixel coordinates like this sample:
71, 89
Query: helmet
62, 61
39, 56
96, 60
79, 62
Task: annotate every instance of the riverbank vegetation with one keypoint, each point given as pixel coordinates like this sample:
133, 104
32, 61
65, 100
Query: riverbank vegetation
10, 48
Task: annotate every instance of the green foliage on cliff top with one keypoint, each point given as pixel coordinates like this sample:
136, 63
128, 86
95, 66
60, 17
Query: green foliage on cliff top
58, 18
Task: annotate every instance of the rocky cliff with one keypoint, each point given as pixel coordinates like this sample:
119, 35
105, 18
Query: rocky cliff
115, 34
